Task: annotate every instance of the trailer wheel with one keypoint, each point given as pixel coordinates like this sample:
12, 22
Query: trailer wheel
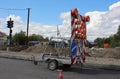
52, 65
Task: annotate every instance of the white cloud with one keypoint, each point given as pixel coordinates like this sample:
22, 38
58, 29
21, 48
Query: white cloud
3, 25
104, 24
65, 15
101, 24
18, 24
115, 5
46, 30
35, 28
16, 19
51, 30
1, 22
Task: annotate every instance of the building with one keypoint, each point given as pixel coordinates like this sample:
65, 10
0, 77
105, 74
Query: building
44, 42
3, 38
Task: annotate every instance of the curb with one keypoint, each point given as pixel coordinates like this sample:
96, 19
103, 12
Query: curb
85, 65
21, 57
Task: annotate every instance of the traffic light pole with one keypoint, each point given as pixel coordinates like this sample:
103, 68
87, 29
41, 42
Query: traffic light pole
10, 36
10, 26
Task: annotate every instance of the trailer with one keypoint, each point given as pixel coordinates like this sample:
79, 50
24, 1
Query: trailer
55, 59
76, 45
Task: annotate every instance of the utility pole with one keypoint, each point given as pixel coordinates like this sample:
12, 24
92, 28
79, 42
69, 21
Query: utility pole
27, 25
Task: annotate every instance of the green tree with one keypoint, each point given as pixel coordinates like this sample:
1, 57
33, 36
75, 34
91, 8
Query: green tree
19, 38
35, 37
118, 32
116, 38
113, 40
99, 42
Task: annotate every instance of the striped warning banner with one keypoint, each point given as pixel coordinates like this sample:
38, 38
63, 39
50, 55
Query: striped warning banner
78, 37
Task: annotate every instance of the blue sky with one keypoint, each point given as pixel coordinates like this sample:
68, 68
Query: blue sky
46, 14
48, 11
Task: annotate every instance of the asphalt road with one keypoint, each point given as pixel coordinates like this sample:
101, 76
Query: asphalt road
20, 69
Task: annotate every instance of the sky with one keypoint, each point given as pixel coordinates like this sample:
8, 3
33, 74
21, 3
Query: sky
46, 15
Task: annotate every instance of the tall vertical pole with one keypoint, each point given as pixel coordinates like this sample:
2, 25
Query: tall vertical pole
10, 34
10, 26
57, 35
27, 25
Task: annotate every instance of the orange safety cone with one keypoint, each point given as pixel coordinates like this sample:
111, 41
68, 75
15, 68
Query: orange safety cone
60, 74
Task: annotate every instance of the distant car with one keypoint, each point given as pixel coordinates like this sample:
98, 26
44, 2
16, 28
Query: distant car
32, 43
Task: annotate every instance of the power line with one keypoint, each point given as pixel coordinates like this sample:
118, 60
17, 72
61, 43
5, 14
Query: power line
12, 9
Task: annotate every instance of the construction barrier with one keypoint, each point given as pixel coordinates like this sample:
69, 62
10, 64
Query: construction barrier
106, 45
78, 36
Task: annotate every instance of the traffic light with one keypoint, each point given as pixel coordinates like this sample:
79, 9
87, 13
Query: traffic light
10, 24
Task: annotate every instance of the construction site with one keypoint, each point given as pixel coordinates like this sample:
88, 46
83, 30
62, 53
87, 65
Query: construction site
60, 40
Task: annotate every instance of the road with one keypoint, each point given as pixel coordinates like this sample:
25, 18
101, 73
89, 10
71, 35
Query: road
20, 69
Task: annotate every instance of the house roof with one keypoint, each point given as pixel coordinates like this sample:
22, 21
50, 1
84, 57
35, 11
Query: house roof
45, 40
2, 34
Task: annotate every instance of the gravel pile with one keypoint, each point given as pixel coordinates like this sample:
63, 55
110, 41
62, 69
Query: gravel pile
105, 52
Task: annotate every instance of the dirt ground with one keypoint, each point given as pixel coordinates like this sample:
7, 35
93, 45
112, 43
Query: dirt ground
44, 49
110, 56
93, 52
105, 52
95, 55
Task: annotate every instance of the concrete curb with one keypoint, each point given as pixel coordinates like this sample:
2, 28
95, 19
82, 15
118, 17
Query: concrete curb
85, 65
20, 57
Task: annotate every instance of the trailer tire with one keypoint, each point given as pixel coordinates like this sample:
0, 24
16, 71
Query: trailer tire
52, 65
